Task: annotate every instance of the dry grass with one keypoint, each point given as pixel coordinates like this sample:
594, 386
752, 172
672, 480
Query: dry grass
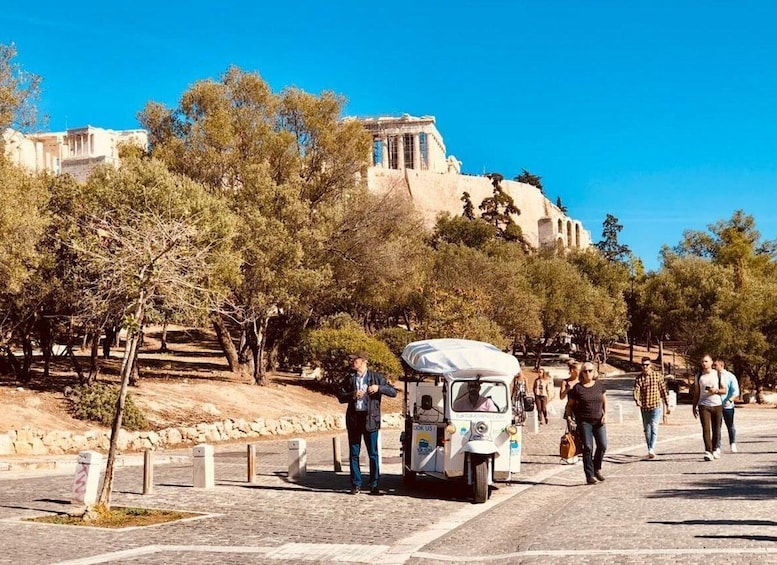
117, 517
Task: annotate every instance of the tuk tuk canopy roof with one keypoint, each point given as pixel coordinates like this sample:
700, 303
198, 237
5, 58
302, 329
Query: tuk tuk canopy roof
451, 356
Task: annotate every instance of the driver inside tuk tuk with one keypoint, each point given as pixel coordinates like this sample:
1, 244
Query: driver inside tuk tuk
473, 401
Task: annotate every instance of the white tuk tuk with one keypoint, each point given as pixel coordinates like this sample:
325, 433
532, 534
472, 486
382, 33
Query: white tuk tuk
459, 418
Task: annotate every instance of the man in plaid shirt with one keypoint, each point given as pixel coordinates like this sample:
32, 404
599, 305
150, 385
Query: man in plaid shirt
649, 393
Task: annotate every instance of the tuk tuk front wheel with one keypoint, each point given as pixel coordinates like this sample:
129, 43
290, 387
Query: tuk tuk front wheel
479, 478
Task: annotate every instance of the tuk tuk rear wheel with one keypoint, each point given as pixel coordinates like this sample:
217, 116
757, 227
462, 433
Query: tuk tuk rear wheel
479, 478
408, 476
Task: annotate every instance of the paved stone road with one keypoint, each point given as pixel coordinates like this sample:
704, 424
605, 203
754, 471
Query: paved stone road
675, 508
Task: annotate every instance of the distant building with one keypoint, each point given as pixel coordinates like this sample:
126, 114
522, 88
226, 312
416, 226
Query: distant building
409, 155
75, 152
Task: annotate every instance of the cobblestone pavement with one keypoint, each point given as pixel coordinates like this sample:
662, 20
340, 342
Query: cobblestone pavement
676, 507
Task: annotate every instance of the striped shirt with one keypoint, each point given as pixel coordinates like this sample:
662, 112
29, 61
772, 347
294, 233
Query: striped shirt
650, 390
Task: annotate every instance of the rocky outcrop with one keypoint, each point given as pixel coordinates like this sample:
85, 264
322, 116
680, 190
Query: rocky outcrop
34, 442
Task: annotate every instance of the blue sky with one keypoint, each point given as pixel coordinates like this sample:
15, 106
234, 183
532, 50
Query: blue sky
663, 113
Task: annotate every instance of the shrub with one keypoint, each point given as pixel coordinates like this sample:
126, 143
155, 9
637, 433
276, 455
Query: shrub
396, 339
97, 402
329, 349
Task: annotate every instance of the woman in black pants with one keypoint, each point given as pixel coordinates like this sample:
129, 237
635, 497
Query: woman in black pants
588, 403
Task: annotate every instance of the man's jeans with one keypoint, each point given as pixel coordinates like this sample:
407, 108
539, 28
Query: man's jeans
354, 447
728, 418
650, 420
592, 460
711, 418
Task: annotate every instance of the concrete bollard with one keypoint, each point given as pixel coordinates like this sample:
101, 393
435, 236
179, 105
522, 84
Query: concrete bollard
620, 413
251, 455
337, 456
148, 471
298, 459
532, 422
203, 471
87, 478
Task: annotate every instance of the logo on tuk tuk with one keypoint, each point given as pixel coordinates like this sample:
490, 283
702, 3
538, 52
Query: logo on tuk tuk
424, 444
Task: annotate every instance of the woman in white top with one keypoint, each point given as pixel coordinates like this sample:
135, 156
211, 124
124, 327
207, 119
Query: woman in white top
543, 394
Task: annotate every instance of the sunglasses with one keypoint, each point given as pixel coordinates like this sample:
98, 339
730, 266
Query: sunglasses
646, 364
588, 370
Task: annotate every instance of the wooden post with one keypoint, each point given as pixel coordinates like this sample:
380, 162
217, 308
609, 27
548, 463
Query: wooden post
251, 462
148, 471
336, 454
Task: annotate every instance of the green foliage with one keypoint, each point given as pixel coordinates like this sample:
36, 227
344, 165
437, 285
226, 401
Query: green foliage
23, 219
329, 349
498, 210
474, 232
396, 339
97, 402
19, 92
528, 178
609, 246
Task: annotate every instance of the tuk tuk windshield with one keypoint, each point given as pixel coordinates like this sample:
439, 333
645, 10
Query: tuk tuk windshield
479, 396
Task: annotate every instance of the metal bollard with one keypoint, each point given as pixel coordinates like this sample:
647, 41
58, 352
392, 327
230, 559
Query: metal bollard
251, 462
298, 459
202, 469
337, 456
148, 471
87, 478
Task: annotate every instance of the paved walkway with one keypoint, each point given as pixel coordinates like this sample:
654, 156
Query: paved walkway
677, 507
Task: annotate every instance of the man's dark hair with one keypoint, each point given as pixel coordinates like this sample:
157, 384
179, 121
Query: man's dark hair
646, 359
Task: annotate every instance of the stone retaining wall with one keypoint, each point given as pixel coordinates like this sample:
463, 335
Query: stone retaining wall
34, 442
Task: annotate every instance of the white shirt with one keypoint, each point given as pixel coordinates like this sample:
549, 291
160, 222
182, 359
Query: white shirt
709, 380
361, 384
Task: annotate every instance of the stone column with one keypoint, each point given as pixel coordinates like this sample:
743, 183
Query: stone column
384, 154
417, 152
400, 151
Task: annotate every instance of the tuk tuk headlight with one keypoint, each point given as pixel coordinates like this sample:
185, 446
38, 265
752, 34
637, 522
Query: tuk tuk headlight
512, 429
450, 429
481, 427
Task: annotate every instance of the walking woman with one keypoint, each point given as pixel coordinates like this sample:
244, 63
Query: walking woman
588, 403
543, 394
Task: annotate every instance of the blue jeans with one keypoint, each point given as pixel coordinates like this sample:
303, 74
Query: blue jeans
355, 437
728, 418
592, 460
650, 420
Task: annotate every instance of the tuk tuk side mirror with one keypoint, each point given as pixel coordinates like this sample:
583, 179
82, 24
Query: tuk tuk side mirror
426, 402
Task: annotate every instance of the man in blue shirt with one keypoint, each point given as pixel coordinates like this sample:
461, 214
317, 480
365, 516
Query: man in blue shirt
731, 385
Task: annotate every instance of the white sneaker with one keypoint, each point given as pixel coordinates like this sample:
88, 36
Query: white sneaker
651, 454
707, 456
734, 448
716, 453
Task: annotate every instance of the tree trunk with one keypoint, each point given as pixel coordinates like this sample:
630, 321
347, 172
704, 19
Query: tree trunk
44, 335
26, 375
163, 345
227, 346
94, 354
135, 373
110, 336
133, 338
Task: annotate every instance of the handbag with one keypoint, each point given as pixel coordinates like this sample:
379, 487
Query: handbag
567, 448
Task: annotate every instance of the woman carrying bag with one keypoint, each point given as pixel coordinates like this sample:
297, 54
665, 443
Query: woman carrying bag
588, 403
